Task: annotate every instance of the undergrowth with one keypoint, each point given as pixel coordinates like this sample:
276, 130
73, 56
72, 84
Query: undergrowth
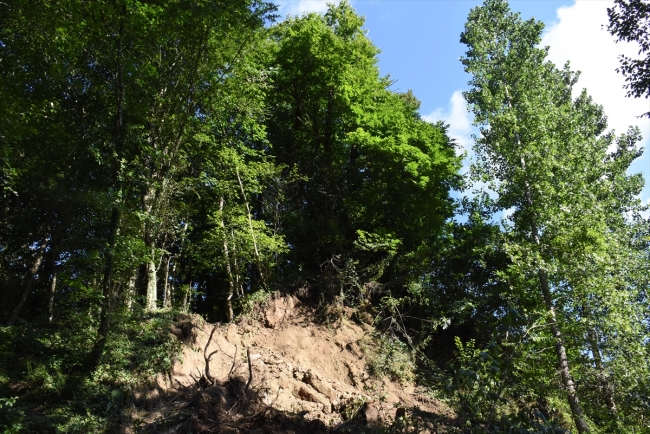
391, 358
43, 389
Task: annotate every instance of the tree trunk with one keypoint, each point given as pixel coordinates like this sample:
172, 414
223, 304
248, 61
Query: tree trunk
96, 353
29, 278
167, 303
107, 294
238, 273
130, 291
560, 349
152, 287
50, 305
231, 281
53, 272
186, 297
250, 225
151, 277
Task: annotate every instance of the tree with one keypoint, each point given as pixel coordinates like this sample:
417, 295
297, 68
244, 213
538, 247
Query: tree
629, 20
368, 163
546, 156
106, 109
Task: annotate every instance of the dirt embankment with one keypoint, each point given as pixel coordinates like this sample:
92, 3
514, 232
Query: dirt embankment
277, 371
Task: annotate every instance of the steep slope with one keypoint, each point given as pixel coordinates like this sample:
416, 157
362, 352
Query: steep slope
306, 377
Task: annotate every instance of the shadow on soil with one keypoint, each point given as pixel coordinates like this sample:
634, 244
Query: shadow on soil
228, 408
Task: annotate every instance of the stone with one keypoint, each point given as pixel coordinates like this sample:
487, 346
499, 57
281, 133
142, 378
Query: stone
314, 380
306, 393
276, 311
372, 414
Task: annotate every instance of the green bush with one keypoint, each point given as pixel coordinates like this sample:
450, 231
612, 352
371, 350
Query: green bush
11, 417
392, 358
478, 389
42, 365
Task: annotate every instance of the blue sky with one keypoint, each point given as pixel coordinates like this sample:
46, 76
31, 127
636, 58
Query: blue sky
420, 44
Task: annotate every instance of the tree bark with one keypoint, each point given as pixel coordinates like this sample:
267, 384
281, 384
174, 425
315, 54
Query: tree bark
150, 266
29, 278
53, 272
130, 292
186, 297
238, 273
560, 349
250, 225
108, 294
167, 292
96, 353
152, 288
50, 305
231, 281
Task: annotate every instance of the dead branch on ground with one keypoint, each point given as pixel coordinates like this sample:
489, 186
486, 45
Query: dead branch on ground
207, 356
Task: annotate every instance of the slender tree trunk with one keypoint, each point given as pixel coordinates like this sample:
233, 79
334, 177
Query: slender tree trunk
53, 272
250, 225
29, 278
107, 294
130, 291
107, 282
238, 273
231, 281
167, 292
150, 265
50, 305
169, 286
186, 297
152, 288
560, 349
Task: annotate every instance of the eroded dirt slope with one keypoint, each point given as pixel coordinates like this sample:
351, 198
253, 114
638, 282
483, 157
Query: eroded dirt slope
306, 377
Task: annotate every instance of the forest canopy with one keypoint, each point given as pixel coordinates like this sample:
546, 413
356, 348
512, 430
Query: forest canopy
175, 157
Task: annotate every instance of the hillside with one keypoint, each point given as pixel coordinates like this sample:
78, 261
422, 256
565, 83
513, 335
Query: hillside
170, 167
306, 377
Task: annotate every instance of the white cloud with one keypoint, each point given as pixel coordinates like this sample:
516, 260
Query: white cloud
580, 35
461, 130
459, 120
299, 7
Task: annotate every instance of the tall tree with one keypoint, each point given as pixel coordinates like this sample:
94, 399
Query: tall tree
107, 100
546, 156
367, 161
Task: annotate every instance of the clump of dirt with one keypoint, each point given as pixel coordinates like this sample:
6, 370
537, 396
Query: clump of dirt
278, 371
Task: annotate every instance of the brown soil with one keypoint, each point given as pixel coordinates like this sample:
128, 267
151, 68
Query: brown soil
306, 377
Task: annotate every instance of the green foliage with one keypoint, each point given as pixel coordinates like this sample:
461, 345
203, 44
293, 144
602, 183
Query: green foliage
480, 387
476, 383
187, 155
42, 364
11, 417
392, 358
251, 301
371, 166
546, 156
629, 21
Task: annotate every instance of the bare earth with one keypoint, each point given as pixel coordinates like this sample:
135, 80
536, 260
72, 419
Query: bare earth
306, 377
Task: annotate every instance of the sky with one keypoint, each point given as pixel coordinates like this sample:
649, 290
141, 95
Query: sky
420, 49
